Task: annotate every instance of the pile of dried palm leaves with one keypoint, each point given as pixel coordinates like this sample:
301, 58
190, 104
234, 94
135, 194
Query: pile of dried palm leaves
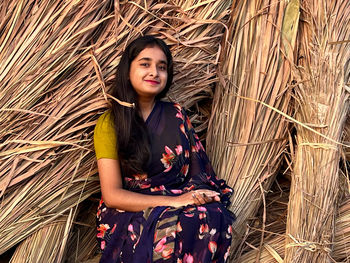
322, 103
57, 58
273, 248
247, 133
277, 82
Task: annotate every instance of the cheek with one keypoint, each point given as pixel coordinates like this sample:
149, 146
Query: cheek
164, 76
135, 76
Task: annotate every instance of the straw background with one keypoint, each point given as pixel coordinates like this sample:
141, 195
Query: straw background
242, 71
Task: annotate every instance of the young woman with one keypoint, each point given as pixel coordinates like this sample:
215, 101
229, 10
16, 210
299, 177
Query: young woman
161, 199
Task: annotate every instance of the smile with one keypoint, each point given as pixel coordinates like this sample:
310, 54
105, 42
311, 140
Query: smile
153, 82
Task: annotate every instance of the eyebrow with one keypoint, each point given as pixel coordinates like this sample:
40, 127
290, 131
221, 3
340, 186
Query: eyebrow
149, 59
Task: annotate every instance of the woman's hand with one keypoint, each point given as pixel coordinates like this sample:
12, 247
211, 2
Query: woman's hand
196, 197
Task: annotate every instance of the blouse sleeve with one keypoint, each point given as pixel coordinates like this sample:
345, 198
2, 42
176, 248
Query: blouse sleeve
105, 140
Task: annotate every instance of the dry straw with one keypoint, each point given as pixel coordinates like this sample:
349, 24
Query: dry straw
247, 133
57, 59
273, 248
347, 138
322, 103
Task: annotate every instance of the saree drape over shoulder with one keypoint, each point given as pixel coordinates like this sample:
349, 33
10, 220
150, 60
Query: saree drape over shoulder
166, 234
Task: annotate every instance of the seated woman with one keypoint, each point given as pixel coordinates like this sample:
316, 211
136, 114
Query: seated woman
161, 199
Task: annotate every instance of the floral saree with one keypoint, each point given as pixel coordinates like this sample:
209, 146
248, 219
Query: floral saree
189, 234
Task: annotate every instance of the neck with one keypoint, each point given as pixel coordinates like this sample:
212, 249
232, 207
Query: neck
146, 106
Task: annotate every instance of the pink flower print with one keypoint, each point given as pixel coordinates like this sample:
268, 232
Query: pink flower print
189, 209
179, 260
145, 185
140, 176
188, 258
189, 124
196, 136
179, 115
101, 202
127, 179
103, 245
227, 253
202, 215
178, 149
202, 209
167, 158
199, 146
182, 128
204, 228
229, 230
177, 106
194, 149
160, 245
158, 188
131, 230
166, 254
187, 153
180, 246
212, 246
189, 215
113, 229
178, 227
212, 232
226, 190
133, 237
102, 228
176, 191
184, 169
189, 188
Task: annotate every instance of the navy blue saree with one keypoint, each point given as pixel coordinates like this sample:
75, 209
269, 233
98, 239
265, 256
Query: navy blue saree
188, 234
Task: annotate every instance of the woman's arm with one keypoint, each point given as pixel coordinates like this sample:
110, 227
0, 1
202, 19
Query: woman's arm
116, 197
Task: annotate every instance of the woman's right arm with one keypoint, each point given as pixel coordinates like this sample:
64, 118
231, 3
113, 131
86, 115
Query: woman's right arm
116, 197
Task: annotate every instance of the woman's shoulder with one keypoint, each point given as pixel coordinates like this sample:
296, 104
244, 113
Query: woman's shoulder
105, 121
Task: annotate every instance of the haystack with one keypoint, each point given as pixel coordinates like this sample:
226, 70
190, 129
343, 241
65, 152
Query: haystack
322, 103
247, 133
57, 61
275, 208
57, 66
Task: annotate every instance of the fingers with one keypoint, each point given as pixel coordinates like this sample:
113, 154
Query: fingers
198, 198
203, 196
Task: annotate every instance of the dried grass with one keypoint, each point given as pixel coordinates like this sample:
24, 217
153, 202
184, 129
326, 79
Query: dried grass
57, 59
322, 103
347, 139
247, 133
273, 249
53, 236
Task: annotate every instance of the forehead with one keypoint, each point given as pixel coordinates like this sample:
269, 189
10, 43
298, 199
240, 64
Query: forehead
152, 52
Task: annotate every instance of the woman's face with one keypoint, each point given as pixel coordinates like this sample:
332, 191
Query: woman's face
148, 72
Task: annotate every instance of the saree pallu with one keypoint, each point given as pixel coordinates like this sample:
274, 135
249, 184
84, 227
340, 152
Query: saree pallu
188, 234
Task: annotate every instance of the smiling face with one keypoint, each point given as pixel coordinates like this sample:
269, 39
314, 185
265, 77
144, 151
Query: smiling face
148, 72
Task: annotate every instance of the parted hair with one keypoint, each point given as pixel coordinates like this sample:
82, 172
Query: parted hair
132, 137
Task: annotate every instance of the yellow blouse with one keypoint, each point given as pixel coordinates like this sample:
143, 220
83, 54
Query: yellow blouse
105, 140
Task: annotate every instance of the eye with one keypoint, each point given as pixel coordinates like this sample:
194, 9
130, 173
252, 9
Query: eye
162, 67
144, 64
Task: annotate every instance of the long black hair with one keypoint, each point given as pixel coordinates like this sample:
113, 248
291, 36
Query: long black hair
132, 136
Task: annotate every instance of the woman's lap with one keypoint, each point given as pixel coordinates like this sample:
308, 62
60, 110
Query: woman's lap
188, 234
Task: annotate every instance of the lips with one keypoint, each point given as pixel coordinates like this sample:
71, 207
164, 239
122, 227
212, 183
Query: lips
153, 82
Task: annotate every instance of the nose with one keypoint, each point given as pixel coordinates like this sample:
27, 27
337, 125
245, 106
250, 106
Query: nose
154, 70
